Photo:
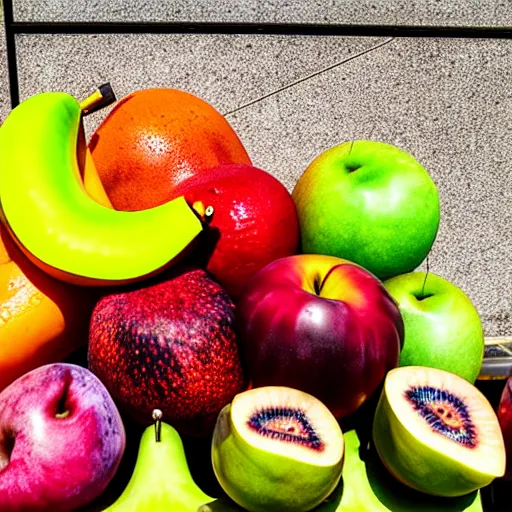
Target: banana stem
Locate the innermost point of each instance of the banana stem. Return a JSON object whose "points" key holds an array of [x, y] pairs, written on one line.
{"points": [[102, 97]]}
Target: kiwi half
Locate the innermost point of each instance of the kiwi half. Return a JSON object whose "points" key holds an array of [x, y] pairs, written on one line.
{"points": [[277, 449], [437, 433]]}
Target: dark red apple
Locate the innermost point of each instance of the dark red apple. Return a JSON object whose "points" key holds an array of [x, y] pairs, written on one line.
{"points": [[320, 324], [254, 221], [169, 346], [505, 418]]}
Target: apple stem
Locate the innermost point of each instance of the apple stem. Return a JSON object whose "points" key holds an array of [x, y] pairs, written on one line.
{"points": [[157, 418]]}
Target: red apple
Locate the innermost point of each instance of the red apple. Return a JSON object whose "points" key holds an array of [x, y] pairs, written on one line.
{"points": [[254, 221], [505, 418], [320, 324], [61, 439]]}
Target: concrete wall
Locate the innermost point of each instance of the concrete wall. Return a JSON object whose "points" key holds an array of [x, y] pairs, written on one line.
{"points": [[446, 100]]}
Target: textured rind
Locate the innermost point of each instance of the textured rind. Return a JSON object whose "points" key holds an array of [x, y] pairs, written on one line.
{"points": [[58, 464], [170, 346], [155, 139]]}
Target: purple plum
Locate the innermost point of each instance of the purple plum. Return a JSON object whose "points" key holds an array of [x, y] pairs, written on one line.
{"points": [[61, 439]]}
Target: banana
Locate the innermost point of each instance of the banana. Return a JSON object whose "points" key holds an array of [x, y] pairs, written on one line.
{"points": [[57, 224]]}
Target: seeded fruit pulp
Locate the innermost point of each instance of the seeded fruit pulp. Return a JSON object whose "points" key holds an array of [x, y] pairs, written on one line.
{"points": [[169, 346], [437, 433], [277, 449]]}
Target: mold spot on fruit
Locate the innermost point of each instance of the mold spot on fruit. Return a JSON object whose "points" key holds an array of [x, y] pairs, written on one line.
{"points": [[445, 413], [286, 424]]}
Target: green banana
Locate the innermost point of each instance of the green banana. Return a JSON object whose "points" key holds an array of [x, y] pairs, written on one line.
{"points": [[48, 212]]}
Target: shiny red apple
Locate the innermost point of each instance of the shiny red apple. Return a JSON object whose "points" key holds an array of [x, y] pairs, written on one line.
{"points": [[322, 325], [254, 221], [505, 419]]}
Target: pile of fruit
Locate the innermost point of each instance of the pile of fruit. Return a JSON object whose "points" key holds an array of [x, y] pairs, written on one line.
{"points": [[291, 330]]}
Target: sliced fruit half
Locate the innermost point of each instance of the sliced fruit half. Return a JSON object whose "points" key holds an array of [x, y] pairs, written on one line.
{"points": [[277, 449], [437, 433]]}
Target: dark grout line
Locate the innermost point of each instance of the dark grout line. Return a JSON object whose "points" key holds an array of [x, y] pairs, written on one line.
{"points": [[10, 41], [310, 76], [305, 29]]}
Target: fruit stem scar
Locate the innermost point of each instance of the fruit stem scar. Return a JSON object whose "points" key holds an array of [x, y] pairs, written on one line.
{"points": [[157, 418], [63, 407], [208, 213], [205, 214]]}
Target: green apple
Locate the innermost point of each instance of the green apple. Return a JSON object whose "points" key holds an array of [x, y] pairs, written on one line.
{"points": [[442, 327], [370, 203]]}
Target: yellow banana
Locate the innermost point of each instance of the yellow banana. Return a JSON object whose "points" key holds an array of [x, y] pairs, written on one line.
{"points": [[48, 212]]}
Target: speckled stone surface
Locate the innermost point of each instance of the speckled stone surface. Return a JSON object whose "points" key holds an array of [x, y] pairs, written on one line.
{"points": [[447, 101], [5, 102], [226, 71], [361, 12]]}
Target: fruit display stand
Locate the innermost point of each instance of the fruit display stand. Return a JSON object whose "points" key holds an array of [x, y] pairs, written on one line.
{"points": [[369, 125]]}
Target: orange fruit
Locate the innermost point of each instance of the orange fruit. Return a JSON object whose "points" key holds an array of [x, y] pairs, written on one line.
{"points": [[42, 320], [155, 139]]}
